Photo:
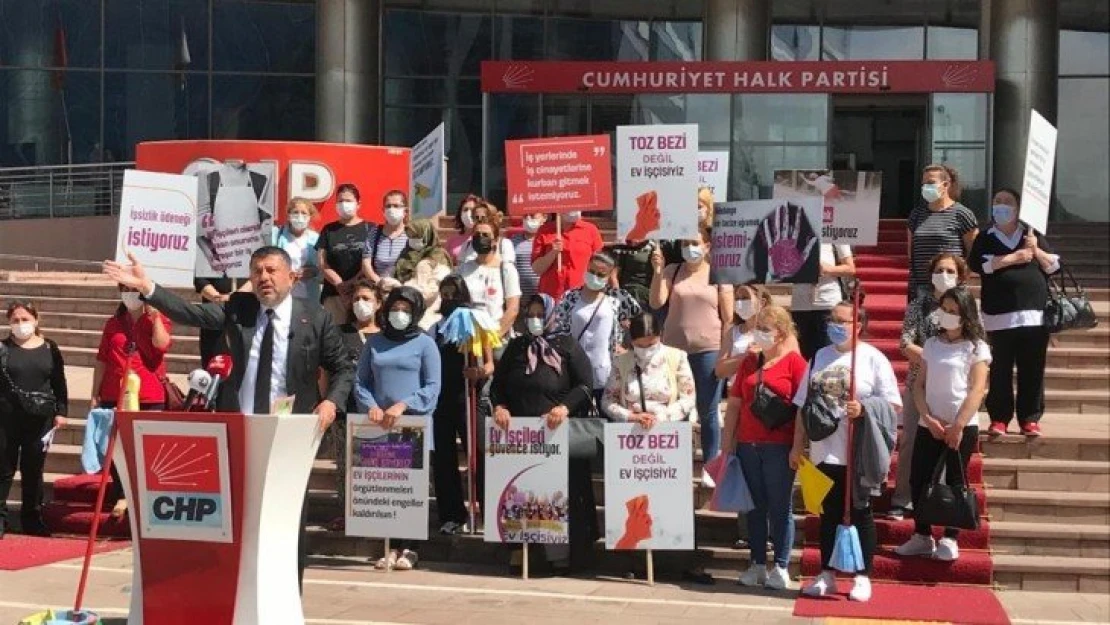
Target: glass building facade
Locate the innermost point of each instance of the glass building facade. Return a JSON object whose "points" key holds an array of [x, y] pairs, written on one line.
{"points": [[84, 80]]}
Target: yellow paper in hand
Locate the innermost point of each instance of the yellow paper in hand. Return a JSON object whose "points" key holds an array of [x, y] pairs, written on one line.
{"points": [[815, 486]]}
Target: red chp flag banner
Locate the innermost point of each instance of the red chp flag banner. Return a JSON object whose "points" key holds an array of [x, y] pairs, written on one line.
{"points": [[559, 175]]}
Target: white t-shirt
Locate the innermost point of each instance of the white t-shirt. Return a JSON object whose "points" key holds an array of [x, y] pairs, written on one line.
{"points": [[486, 288], [741, 341], [874, 378], [826, 293], [595, 330], [948, 366], [505, 249]]}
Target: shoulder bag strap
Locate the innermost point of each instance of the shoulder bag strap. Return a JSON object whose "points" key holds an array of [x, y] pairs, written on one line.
{"points": [[643, 391], [592, 317]]}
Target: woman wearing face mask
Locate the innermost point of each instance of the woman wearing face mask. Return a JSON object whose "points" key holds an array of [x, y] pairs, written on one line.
{"points": [[810, 303], [398, 374], [29, 364], [920, 324], [299, 241], [750, 299], [942, 224], [764, 452], [546, 374], [877, 399], [948, 392], [382, 251], [423, 265], [449, 421], [340, 250], [522, 246], [1013, 261], [492, 281], [698, 313], [135, 338], [464, 226], [484, 212], [580, 240], [667, 391], [672, 250], [595, 314]]}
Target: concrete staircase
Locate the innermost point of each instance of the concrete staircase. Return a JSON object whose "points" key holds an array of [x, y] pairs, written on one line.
{"points": [[1049, 500]]}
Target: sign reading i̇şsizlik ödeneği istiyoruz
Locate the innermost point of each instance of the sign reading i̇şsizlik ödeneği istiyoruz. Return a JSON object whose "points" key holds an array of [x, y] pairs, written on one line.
{"points": [[526, 498], [157, 224]]}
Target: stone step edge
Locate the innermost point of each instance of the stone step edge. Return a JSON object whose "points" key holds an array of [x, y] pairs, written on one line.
{"points": [[1060, 565]]}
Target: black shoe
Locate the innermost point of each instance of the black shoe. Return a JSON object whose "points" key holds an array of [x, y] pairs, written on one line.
{"points": [[698, 577], [36, 528]]}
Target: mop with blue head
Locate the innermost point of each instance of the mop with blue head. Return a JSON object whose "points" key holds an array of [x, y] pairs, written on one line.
{"points": [[847, 554]]}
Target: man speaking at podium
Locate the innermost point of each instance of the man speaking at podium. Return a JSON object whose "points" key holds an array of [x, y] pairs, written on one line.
{"points": [[278, 343]]}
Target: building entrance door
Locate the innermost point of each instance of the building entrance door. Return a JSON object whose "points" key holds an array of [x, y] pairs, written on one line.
{"points": [[884, 133]]}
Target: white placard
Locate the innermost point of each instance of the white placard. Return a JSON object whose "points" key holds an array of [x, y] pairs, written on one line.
{"points": [[851, 201], [657, 182], [429, 169], [649, 494], [1040, 162], [158, 224], [235, 215], [713, 173], [526, 498], [766, 241], [387, 480]]}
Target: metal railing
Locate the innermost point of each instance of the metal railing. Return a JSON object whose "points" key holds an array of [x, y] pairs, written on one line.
{"points": [[61, 190]]}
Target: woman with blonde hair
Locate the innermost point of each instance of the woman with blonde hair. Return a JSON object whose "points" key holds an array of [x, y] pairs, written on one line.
{"points": [[759, 426]]}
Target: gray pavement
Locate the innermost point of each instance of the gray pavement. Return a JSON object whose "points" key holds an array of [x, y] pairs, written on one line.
{"points": [[349, 592]]}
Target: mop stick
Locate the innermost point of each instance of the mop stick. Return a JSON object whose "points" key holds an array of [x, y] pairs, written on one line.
{"points": [[559, 234], [472, 448], [847, 555], [105, 471]]}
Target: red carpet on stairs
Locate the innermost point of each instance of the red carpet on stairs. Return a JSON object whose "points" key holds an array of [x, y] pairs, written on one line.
{"points": [[71, 511], [19, 552], [945, 604]]}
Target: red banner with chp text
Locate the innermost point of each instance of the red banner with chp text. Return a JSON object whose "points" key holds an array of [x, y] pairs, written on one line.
{"points": [[559, 175]]}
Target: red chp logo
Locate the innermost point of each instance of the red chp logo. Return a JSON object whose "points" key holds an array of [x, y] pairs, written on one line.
{"points": [[183, 481]]}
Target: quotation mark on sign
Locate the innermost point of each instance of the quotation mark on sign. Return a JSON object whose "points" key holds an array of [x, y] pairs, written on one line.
{"points": [[599, 150]]}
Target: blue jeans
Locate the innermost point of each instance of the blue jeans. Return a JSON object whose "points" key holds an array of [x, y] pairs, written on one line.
{"points": [[707, 387], [771, 481]]}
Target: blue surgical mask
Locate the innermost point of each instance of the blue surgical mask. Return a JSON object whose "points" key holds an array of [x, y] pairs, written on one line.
{"points": [[838, 334], [1002, 213], [930, 192]]}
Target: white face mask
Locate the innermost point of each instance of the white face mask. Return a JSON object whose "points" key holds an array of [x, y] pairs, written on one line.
{"points": [[131, 300], [532, 224], [746, 308], [298, 221], [765, 340], [416, 244], [346, 209], [535, 325], [467, 220], [943, 281], [930, 192], [400, 319], [645, 354], [394, 216], [947, 320], [23, 331], [692, 253], [572, 217], [595, 283], [363, 309]]}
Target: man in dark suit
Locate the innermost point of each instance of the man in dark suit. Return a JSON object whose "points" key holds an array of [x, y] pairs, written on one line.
{"points": [[278, 343]]}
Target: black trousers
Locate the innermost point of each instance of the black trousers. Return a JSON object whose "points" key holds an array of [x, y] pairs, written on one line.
{"points": [[21, 448], [926, 452], [448, 427], [812, 334], [1027, 349], [833, 515]]}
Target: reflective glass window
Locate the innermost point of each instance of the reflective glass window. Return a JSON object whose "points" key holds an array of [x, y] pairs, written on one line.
{"points": [[795, 43], [263, 107], [952, 43], [1082, 188], [960, 131], [598, 40], [422, 43], [517, 37], [148, 107], [47, 116], [156, 34], [50, 33], [1083, 53], [873, 42], [264, 36]]}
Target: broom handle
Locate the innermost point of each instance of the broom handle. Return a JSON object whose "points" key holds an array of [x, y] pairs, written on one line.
{"points": [[471, 448], [104, 473], [851, 426]]}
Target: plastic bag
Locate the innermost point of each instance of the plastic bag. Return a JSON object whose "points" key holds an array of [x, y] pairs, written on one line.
{"points": [[731, 493]]}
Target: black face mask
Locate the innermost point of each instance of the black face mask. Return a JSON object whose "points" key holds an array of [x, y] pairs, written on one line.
{"points": [[482, 243], [448, 306]]}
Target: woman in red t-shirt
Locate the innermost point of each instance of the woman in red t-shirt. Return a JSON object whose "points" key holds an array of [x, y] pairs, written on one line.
{"points": [[764, 452], [137, 337]]}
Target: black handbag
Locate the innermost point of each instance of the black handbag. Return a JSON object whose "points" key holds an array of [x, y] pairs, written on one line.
{"points": [[1064, 310], [948, 506], [819, 417], [772, 410]]}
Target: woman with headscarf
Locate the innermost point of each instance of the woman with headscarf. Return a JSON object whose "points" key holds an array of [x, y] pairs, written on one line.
{"points": [[548, 375], [423, 265], [398, 374]]}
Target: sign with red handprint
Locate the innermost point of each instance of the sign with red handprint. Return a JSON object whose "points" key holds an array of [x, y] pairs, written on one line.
{"points": [[850, 198], [767, 241], [657, 182]]}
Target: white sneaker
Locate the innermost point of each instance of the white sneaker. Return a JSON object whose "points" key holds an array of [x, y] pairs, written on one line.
{"points": [[756, 575], [778, 578], [861, 591], [822, 585], [917, 545], [947, 550], [706, 480]]}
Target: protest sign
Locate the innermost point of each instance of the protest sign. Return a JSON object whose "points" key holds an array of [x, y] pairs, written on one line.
{"points": [[851, 201], [713, 173], [526, 483], [429, 171], [766, 241], [559, 175], [235, 208], [649, 497], [1040, 162], [657, 182], [158, 224], [387, 480]]}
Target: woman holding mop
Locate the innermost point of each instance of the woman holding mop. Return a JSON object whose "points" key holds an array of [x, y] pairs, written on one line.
{"points": [[855, 382]]}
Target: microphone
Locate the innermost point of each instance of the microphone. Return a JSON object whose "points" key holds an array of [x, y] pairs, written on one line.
{"points": [[199, 381], [219, 367]]}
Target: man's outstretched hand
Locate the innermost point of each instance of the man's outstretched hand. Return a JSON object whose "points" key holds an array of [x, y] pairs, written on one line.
{"points": [[132, 275]]}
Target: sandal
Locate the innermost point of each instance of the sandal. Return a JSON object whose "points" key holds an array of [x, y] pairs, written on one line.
{"points": [[120, 509], [391, 563], [407, 561]]}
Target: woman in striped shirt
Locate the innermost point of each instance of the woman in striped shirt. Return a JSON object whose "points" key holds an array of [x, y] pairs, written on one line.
{"points": [[941, 225]]}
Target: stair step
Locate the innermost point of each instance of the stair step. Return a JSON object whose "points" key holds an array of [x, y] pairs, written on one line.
{"points": [[1052, 573], [1051, 506], [1050, 539], [1044, 475]]}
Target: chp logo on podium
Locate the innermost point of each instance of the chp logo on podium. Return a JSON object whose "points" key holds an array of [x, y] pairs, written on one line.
{"points": [[184, 485]]}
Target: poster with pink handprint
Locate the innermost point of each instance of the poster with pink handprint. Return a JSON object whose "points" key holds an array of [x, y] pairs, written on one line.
{"points": [[766, 241]]}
